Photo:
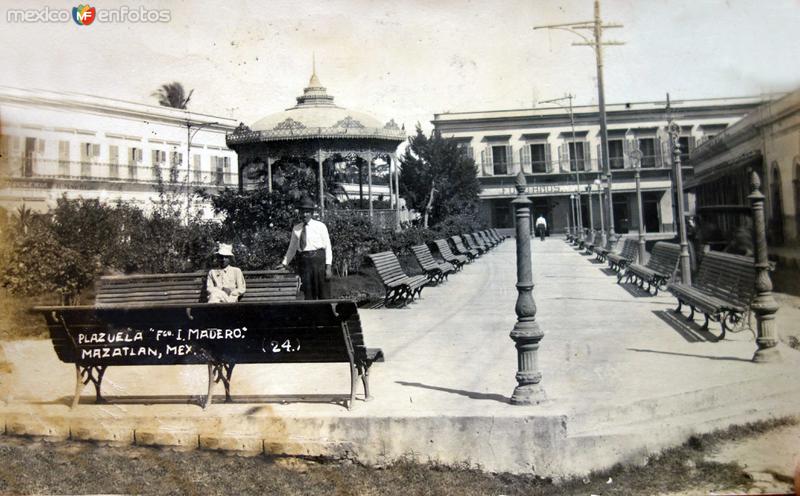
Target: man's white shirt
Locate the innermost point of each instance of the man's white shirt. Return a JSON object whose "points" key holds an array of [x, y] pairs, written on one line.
{"points": [[541, 222], [317, 238]]}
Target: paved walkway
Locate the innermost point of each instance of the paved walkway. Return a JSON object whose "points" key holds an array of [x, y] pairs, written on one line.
{"points": [[623, 377]]}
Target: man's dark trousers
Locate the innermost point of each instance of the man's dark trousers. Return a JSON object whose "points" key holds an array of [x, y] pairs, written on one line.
{"points": [[311, 265]]}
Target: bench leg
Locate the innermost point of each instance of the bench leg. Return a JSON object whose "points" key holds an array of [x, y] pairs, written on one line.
{"points": [[219, 372], [705, 324], [690, 317], [680, 306], [364, 371], [84, 375], [353, 383]]}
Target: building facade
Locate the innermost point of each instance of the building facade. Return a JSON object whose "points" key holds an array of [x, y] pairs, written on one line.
{"points": [[768, 141], [61, 144], [559, 159]]}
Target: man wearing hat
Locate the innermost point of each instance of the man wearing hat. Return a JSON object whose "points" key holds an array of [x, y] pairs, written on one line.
{"points": [[225, 284], [312, 245]]}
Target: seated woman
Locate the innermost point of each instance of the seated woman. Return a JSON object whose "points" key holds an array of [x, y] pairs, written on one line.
{"points": [[225, 284]]}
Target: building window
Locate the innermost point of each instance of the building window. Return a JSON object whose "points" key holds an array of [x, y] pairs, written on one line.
{"points": [[616, 154], [220, 168], [648, 148], [134, 159], [465, 148], [540, 158], [196, 166], [577, 155], [113, 162], [500, 161], [63, 158], [89, 152]]}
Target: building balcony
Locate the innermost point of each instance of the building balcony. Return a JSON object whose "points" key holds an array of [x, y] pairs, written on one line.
{"points": [[61, 173]]}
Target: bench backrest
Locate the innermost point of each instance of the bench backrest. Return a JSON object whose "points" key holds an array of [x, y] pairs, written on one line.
{"points": [[472, 241], [664, 258], [295, 332], [630, 248], [156, 289], [425, 257], [388, 267], [151, 289], [444, 249], [270, 285], [727, 276], [459, 245]]}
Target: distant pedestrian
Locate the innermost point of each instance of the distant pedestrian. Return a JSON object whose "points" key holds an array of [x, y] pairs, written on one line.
{"points": [[541, 227], [225, 283], [312, 245]]}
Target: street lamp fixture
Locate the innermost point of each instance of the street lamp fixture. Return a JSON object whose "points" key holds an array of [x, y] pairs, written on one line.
{"points": [[674, 131], [571, 219], [636, 161]]}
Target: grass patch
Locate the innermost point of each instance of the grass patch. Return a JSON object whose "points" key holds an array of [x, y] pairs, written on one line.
{"points": [[32, 466]]}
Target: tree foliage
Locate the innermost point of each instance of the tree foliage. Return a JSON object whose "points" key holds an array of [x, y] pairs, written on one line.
{"points": [[436, 166], [173, 95]]}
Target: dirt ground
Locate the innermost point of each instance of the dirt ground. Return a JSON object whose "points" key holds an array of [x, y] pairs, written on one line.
{"points": [[754, 459]]}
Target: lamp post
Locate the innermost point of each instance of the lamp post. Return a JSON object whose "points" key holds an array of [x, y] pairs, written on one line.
{"points": [[591, 210], [674, 131], [526, 333], [764, 304], [571, 214], [636, 160], [603, 238]]}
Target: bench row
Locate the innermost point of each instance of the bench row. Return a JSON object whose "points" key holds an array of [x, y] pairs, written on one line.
{"points": [[722, 290], [453, 254]]}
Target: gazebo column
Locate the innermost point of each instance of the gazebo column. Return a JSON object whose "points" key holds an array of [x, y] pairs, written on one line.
{"points": [[388, 159], [269, 172], [321, 182], [369, 157], [396, 178]]}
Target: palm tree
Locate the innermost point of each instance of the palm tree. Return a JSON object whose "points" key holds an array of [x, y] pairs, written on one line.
{"points": [[173, 95]]}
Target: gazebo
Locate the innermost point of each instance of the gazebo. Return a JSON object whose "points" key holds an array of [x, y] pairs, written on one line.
{"points": [[335, 139]]}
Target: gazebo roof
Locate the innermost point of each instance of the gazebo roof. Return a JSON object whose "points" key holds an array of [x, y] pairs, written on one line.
{"points": [[316, 116]]}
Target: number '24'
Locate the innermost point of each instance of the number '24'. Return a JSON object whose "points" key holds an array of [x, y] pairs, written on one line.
{"points": [[286, 346]]}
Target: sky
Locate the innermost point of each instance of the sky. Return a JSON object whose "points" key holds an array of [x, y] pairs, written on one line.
{"points": [[408, 59]]}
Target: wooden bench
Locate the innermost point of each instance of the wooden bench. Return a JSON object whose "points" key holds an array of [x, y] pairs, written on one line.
{"points": [[436, 271], [618, 261], [601, 252], [489, 234], [472, 242], [447, 254], [722, 290], [596, 240], [219, 335], [498, 235], [262, 285], [471, 253], [396, 282], [659, 269]]}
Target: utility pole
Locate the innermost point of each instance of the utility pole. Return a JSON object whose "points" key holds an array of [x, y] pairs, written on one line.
{"points": [[595, 40]]}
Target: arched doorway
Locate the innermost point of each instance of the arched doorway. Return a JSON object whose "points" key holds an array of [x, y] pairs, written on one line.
{"points": [[776, 219]]}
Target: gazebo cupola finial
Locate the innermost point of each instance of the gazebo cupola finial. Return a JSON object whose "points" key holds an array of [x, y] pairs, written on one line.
{"points": [[314, 95]]}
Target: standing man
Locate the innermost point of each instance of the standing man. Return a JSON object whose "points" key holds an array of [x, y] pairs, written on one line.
{"points": [[312, 244], [541, 226]]}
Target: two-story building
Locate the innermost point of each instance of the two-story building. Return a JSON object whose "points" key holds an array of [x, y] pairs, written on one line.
{"points": [[54, 144], [559, 159]]}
